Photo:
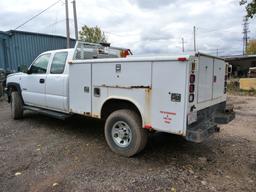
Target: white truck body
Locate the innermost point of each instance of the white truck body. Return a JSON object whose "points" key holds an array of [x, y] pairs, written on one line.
{"points": [[147, 82], [168, 92]]}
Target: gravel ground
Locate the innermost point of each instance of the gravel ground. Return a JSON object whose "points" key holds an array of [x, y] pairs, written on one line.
{"points": [[39, 153]]}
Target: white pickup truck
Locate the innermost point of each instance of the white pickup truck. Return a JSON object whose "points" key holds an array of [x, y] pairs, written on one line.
{"points": [[182, 95]]}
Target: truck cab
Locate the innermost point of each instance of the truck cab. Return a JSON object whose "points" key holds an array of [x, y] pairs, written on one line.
{"points": [[45, 84]]}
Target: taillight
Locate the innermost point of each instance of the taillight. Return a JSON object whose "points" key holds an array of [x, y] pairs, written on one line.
{"points": [[191, 88], [192, 78], [226, 79]]}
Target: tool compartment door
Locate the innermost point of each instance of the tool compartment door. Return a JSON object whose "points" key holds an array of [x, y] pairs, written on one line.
{"points": [[218, 78], [80, 88], [168, 96], [205, 80]]}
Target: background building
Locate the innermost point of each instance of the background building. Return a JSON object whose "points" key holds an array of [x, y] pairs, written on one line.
{"points": [[241, 64], [19, 48]]}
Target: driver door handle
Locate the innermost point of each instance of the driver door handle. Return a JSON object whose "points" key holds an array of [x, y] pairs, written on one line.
{"points": [[41, 81]]}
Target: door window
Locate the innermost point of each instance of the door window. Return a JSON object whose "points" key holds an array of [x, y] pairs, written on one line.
{"points": [[40, 64], [58, 63]]}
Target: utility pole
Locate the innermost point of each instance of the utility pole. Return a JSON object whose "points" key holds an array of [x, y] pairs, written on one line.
{"points": [[217, 52], [75, 19], [194, 34], [67, 25], [245, 32], [183, 44]]}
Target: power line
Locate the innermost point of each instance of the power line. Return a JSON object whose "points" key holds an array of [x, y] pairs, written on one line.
{"points": [[37, 15]]}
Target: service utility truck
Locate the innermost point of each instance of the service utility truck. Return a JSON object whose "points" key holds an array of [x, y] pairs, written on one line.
{"points": [[134, 95]]}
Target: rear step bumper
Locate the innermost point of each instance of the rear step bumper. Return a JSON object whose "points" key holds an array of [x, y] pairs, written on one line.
{"points": [[224, 118], [201, 131], [208, 119]]}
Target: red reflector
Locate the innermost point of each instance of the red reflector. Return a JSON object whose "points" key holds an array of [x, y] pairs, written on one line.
{"points": [[182, 59], [192, 78], [148, 127], [191, 88]]}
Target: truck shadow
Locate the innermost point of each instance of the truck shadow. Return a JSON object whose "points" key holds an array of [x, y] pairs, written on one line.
{"points": [[161, 147]]}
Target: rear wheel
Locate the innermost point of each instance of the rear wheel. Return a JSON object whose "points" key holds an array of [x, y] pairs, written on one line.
{"points": [[16, 105], [124, 133]]}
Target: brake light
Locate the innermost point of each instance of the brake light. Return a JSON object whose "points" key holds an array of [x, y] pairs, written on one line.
{"points": [[226, 79], [192, 78], [191, 88], [182, 59]]}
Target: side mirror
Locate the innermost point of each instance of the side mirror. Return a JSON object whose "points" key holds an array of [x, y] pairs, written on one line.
{"points": [[29, 71]]}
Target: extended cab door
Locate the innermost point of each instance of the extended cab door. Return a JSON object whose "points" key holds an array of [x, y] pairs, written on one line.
{"points": [[57, 83], [33, 85]]}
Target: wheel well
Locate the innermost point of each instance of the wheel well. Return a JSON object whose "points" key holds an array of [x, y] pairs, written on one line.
{"points": [[13, 87], [117, 104]]}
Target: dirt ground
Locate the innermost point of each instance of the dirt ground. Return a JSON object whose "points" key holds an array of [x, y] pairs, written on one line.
{"points": [[39, 153]]}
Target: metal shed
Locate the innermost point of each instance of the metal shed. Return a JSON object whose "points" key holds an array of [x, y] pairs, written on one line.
{"points": [[21, 48]]}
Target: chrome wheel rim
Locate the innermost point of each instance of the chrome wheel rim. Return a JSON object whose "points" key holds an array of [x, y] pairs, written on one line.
{"points": [[121, 134]]}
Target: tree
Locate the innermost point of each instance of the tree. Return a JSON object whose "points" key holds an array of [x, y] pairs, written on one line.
{"points": [[250, 7], [251, 48], [92, 34]]}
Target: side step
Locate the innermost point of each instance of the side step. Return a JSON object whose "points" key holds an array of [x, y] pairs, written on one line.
{"points": [[57, 115]]}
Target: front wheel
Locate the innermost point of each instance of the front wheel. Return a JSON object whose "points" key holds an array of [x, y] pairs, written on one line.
{"points": [[16, 105], [124, 133]]}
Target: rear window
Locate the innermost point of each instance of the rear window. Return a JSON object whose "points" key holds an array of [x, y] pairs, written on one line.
{"points": [[58, 63]]}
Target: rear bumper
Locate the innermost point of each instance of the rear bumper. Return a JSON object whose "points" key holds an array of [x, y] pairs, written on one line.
{"points": [[207, 122], [224, 118], [201, 131]]}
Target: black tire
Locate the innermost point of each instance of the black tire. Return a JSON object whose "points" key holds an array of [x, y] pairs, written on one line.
{"points": [[16, 105], [139, 135]]}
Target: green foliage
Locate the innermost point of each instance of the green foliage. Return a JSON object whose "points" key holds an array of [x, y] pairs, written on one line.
{"points": [[250, 7], [92, 35], [251, 49]]}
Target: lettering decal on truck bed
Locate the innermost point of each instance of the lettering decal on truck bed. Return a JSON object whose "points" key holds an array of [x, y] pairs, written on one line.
{"points": [[166, 117]]}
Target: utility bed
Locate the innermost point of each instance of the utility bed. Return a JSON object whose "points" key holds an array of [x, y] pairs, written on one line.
{"points": [[169, 92]]}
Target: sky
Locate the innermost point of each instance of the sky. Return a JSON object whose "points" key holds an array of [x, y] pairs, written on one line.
{"points": [[144, 26]]}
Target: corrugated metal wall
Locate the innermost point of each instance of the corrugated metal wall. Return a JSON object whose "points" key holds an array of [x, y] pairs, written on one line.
{"points": [[21, 48]]}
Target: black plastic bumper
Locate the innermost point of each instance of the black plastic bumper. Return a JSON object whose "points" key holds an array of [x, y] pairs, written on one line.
{"points": [[207, 120], [201, 131], [224, 118]]}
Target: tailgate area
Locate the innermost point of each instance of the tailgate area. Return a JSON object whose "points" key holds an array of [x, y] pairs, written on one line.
{"points": [[211, 78]]}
